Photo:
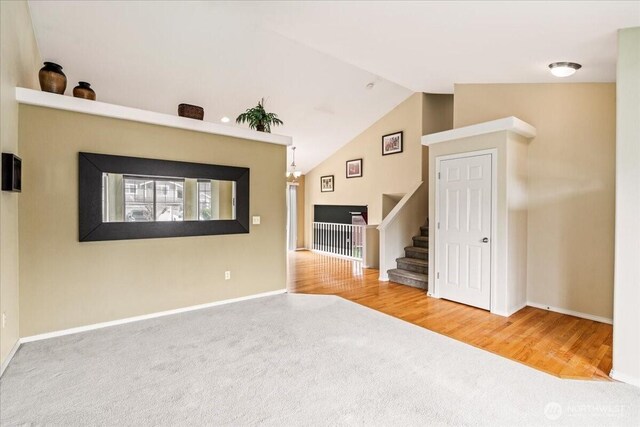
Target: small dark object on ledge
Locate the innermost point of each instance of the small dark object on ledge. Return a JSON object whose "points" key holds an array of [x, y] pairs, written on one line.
{"points": [[52, 79], [191, 111], [83, 90]]}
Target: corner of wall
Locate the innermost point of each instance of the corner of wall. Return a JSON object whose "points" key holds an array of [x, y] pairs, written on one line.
{"points": [[626, 317], [19, 63]]}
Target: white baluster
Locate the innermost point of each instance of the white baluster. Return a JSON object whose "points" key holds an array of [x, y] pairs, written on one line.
{"points": [[333, 235]]}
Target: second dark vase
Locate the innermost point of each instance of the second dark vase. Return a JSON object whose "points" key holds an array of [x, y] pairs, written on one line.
{"points": [[52, 79], [83, 90]]}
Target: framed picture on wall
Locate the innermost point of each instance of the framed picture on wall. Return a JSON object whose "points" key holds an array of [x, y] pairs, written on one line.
{"points": [[354, 168], [326, 184], [392, 143]]}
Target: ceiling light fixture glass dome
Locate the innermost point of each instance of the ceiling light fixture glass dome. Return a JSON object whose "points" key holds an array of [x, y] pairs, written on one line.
{"points": [[564, 69]]}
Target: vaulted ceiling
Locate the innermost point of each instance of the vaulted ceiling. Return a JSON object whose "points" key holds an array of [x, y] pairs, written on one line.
{"points": [[312, 61]]}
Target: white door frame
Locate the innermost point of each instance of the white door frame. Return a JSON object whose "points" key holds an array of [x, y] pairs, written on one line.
{"points": [[494, 210]]}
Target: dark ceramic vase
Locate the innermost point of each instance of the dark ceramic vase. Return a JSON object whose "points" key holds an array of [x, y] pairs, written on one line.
{"points": [[260, 128], [52, 79], [83, 90]]}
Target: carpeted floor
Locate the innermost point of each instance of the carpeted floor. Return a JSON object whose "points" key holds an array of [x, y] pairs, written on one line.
{"points": [[291, 360]]}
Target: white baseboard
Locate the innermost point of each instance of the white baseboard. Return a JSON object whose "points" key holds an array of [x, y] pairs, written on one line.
{"points": [[624, 378], [9, 357], [510, 311], [571, 313], [145, 317]]}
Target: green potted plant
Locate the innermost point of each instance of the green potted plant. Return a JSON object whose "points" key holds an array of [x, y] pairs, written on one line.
{"points": [[259, 119]]}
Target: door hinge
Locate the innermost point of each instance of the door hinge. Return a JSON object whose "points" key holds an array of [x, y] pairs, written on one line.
{"points": [[438, 226], [438, 175], [437, 275]]}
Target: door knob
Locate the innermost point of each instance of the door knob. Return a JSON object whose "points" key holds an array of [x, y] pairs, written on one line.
{"points": [[485, 240]]}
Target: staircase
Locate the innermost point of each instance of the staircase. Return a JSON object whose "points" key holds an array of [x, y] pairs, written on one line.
{"points": [[413, 267]]}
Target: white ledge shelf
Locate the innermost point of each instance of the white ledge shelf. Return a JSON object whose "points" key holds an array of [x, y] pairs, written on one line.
{"points": [[96, 108], [512, 124]]}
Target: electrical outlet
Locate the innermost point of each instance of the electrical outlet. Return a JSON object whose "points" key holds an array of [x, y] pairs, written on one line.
{"points": [[4, 320], [256, 220], [227, 275]]}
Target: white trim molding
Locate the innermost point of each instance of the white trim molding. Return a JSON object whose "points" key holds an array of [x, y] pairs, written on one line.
{"points": [[96, 108], [511, 311], [12, 353], [571, 312], [618, 376], [146, 316], [512, 124]]}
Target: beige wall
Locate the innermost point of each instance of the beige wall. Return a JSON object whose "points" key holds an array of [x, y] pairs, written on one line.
{"points": [[19, 64], [437, 116], [626, 333], [65, 283], [571, 185], [391, 175]]}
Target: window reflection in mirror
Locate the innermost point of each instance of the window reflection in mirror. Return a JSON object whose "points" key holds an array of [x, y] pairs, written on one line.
{"points": [[130, 198]]}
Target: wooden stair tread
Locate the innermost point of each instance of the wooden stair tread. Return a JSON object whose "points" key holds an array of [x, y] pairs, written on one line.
{"points": [[416, 249]]}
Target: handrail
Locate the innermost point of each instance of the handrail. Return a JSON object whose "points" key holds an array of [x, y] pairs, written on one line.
{"points": [[397, 208]]}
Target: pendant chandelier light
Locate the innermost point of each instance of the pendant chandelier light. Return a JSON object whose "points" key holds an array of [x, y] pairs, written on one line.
{"points": [[293, 174]]}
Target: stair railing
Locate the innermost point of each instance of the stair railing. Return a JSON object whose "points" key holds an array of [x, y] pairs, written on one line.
{"points": [[400, 225]]}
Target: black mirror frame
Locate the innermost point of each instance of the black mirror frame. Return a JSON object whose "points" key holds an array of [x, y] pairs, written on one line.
{"points": [[91, 227]]}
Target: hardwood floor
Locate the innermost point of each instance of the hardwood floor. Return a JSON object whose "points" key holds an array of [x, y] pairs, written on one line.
{"points": [[562, 345]]}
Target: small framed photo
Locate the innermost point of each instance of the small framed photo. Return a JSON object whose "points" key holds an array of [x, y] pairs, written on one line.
{"points": [[326, 184], [354, 168], [392, 143]]}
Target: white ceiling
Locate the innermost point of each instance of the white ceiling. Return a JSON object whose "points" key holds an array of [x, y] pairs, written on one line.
{"points": [[429, 46], [312, 60]]}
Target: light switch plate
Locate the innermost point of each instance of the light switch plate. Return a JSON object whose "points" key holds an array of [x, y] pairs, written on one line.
{"points": [[256, 220]]}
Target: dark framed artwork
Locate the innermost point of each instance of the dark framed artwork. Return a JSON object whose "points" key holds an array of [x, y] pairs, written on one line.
{"points": [[354, 168], [392, 143], [326, 184], [124, 198]]}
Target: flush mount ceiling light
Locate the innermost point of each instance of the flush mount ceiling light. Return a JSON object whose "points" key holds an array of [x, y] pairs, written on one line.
{"points": [[370, 85], [225, 119], [564, 69]]}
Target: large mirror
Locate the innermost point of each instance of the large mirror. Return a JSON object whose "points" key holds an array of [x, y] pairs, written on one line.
{"points": [[136, 198]]}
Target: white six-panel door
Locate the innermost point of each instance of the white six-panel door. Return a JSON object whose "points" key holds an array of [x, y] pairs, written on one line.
{"points": [[464, 230]]}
